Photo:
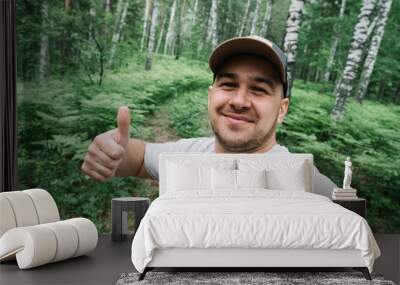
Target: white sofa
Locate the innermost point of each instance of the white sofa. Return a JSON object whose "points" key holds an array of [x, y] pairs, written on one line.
{"points": [[31, 231]]}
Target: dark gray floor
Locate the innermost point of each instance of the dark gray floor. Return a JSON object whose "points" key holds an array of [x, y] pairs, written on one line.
{"points": [[102, 266], [111, 259]]}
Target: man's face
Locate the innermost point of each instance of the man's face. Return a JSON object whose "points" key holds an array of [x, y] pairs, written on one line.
{"points": [[245, 102]]}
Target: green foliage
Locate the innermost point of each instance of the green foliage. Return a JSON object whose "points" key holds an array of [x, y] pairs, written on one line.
{"points": [[57, 122], [368, 134]]}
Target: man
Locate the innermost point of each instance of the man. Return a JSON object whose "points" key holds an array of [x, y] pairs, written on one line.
{"points": [[247, 99]]}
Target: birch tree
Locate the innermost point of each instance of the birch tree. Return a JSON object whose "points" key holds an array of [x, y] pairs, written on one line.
{"points": [[161, 35], [212, 36], [190, 19], [346, 81], [177, 44], [335, 42], [145, 21], [255, 18], [152, 35], [384, 9], [44, 43], [291, 38], [244, 20], [170, 31], [122, 8], [267, 18], [108, 6]]}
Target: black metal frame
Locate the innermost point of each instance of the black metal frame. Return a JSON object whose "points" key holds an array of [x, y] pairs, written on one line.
{"points": [[364, 270], [8, 101]]}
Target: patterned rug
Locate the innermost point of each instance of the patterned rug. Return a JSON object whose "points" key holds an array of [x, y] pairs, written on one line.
{"points": [[269, 278]]}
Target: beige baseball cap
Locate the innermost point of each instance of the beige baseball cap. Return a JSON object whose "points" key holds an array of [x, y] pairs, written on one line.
{"points": [[251, 45]]}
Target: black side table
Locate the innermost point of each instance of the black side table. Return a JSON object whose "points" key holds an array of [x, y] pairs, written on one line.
{"points": [[357, 205], [119, 211]]}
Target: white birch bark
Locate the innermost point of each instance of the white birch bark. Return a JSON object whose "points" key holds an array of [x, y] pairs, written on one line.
{"points": [[108, 6], [189, 19], [122, 8], [145, 21], [335, 42], [253, 29], [266, 19], [161, 35], [152, 35], [44, 44], [244, 20], [212, 36], [368, 68], [291, 38], [123, 20], [346, 81], [170, 31]]}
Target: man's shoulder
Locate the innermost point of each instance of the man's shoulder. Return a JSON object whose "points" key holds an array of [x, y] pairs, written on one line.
{"points": [[201, 144]]}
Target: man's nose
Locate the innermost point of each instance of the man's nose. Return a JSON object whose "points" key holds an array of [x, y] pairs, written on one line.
{"points": [[241, 99]]}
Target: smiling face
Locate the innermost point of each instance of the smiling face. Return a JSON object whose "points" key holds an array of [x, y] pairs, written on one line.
{"points": [[245, 103]]}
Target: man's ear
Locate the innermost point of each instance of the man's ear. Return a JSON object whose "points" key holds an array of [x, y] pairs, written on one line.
{"points": [[283, 108], [209, 95]]}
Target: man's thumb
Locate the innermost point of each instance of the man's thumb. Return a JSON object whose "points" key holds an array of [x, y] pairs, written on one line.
{"points": [[124, 120]]}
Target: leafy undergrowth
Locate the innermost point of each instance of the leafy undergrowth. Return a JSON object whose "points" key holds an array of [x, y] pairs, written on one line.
{"points": [[58, 121]]}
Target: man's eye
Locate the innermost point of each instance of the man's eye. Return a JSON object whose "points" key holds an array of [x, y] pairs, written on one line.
{"points": [[259, 90], [228, 84]]}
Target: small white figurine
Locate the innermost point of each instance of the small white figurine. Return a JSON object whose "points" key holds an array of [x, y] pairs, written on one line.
{"points": [[347, 174]]}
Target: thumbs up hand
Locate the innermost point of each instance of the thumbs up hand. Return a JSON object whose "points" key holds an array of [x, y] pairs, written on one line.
{"points": [[122, 132], [107, 151]]}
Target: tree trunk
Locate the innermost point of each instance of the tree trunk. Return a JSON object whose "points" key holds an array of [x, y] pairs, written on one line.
{"points": [[381, 89], [152, 35], [335, 41], [108, 6], [44, 44], [170, 31], [161, 35], [253, 29], [397, 94], [346, 82], [266, 19], [122, 8], [145, 21], [244, 20], [227, 22], [290, 42], [383, 12], [64, 49], [177, 47], [212, 36], [67, 5]]}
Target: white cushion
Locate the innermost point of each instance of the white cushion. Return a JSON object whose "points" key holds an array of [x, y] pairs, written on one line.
{"points": [[7, 218], [23, 208], [283, 173], [181, 177], [45, 205], [223, 179], [251, 178], [293, 180]]}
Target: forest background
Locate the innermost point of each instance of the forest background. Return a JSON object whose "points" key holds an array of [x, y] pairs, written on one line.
{"points": [[79, 60]]}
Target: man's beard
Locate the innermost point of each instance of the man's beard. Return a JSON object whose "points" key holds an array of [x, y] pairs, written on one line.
{"points": [[244, 146]]}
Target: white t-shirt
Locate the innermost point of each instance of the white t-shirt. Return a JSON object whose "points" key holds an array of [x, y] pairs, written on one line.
{"points": [[322, 184]]}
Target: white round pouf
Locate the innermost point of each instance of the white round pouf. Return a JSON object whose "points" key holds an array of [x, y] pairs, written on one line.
{"points": [[67, 239], [87, 234], [7, 218], [33, 246], [23, 207], [45, 205]]}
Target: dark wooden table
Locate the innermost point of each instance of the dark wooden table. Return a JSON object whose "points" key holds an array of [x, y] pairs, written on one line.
{"points": [[110, 259]]}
